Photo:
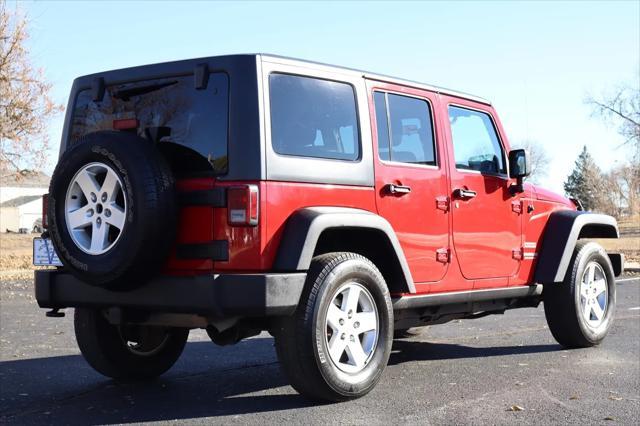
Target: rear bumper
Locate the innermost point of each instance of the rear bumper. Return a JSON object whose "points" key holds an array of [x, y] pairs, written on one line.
{"points": [[220, 296]]}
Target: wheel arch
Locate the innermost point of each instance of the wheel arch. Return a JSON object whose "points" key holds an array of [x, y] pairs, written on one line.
{"points": [[312, 231], [561, 234]]}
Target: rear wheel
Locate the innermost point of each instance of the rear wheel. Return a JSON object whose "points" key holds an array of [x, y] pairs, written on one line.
{"points": [[337, 344], [132, 352], [580, 310]]}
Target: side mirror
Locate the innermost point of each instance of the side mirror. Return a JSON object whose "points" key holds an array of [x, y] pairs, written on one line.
{"points": [[519, 168]]}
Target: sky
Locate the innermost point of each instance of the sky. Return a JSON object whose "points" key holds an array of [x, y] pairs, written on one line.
{"points": [[536, 61]]}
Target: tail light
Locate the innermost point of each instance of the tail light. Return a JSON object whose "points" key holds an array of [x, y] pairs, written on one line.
{"points": [[45, 207], [242, 205]]}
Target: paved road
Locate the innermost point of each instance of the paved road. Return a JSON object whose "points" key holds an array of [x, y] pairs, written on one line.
{"points": [[464, 372]]}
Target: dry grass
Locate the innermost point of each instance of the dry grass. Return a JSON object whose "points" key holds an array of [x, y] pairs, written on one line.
{"points": [[16, 250], [629, 241]]}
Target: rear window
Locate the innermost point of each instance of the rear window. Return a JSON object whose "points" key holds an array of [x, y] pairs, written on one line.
{"points": [[313, 118], [187, 123]]}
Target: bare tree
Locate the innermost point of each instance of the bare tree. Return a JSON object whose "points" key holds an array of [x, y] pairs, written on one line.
{"points": [[25, 101], [621, 108], [625, 187], [538, 158]]}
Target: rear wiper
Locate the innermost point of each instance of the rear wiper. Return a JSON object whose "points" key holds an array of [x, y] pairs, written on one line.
{"points": [[125, 94]]}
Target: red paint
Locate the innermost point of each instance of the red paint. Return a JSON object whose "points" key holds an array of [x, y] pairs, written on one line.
{"points": [[195, 225]]}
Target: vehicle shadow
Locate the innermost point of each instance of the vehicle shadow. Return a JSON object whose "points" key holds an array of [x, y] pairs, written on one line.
{"points": [[208, 381], [414, 350]]}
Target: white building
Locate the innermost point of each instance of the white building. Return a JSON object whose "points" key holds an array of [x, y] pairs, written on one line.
{"points": [[21, 201]]}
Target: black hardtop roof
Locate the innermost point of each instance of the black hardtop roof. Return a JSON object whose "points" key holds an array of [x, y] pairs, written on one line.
{"points": [[186, 63]]}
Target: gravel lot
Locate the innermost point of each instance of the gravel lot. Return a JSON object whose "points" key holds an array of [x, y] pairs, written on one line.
{"points": [[463, 372]]}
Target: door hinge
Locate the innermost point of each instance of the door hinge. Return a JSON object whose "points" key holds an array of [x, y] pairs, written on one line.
{"points": [[443, 255], [442, 203], [516, 253], [516, 206]]}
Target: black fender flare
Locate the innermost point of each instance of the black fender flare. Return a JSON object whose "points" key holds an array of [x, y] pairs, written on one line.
{"points": [[304, 227], [561, 234]]}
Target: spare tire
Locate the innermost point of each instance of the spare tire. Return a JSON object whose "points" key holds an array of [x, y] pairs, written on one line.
{"points": [[112, 211]]}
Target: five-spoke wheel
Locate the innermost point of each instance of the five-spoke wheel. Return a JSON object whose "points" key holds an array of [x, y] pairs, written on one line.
{"points": [[352, 327], [593, 294], [95, 206]]}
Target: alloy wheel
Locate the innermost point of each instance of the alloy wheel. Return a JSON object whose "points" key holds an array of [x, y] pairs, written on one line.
{"points": [[594, 294], [95, 208], [351, 326]]}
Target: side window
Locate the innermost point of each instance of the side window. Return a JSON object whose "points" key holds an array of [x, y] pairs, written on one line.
{"points": [[313, 118], [475, 141], [405, 131]]}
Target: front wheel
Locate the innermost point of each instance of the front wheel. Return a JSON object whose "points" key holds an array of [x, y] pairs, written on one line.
{"points": [[337, 344], [580, 310], [130, 352]]}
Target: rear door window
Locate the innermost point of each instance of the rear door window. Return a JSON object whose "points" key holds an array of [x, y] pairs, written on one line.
{"points": [[311, 117], [405, 129]]}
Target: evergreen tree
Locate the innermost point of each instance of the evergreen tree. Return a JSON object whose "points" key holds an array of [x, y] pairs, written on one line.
{"points": [[585, 182]]}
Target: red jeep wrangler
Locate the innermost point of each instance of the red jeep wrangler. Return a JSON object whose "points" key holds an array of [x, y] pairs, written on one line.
{"points": [[325, 205]]}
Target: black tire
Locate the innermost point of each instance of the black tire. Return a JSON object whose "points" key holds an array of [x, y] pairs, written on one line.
{"points": [[104, 346], [407, 333], [151, 214], [301, 340], [563, 304]]}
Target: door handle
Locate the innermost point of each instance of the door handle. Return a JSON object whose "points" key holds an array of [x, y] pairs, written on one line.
{"points": [[464, 193], [397, 189]]}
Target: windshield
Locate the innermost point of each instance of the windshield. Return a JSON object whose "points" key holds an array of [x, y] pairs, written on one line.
{"points": [[185, 121]]}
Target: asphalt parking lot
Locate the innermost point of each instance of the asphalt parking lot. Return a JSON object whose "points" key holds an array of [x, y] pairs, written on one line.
{"points": [[464, 372]]}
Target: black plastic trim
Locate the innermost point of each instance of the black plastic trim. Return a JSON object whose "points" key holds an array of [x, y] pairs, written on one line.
{"points": [[437, 299], [213, 250], [201, 76], [97, 89], [219, 296], [304, 227], [617, 262], [216, 197], [560, 236]]}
